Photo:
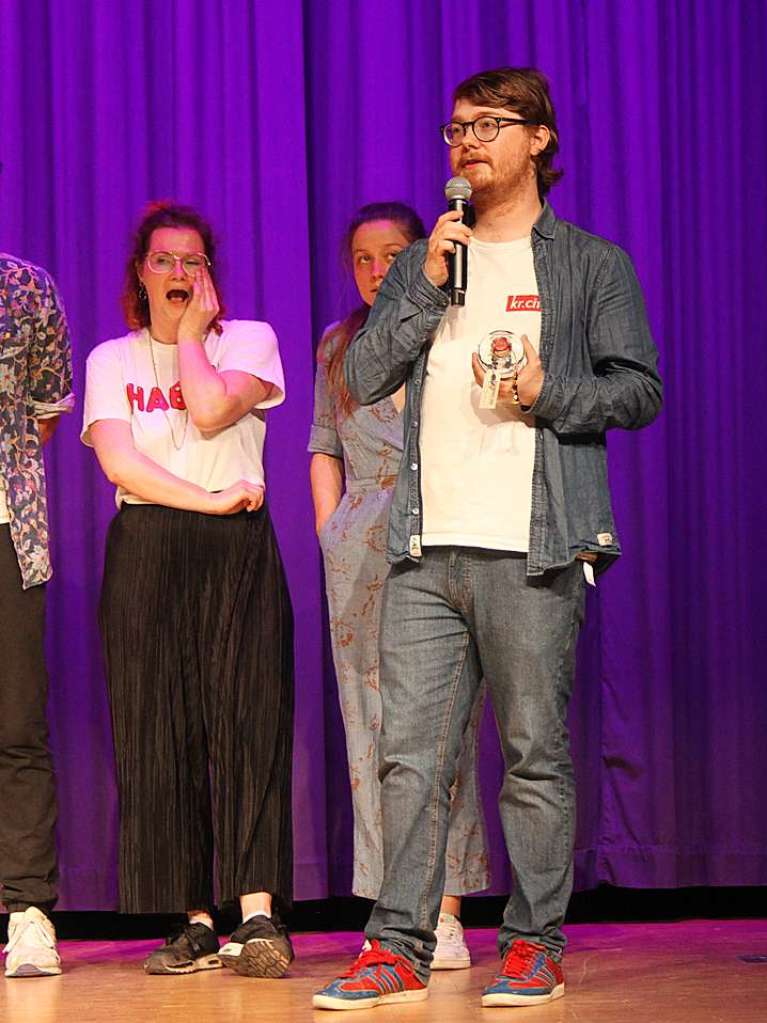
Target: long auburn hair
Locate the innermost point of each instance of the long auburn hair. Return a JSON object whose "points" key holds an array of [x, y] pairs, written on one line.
{"points": [[164, 213], [335, 342]]}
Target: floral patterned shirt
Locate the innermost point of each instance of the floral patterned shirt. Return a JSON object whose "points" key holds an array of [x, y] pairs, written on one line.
{"points": [[35, 383]]}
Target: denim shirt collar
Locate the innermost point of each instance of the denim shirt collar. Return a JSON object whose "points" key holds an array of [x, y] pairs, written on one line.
{"points": [[545, 225]]}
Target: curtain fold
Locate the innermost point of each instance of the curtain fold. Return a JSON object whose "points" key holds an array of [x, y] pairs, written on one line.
{"points": [[277, 121]]}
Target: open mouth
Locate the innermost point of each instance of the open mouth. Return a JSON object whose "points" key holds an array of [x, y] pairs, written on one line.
{"points": [[177, 296]]}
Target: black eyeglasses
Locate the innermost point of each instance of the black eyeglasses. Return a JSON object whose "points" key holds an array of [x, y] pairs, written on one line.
{"points": [[485, 128]]}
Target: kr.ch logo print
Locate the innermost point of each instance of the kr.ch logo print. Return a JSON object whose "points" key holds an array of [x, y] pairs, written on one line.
{"points": [[523, 304]]}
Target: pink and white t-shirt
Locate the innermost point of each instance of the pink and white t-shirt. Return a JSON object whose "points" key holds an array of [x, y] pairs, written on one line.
{"points": [[136, 379]]}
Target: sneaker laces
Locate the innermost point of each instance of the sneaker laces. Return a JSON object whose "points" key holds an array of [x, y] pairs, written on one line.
{"points": [[185, 931], [40, 932], [374, 956], [450, 926], [520, 958]]}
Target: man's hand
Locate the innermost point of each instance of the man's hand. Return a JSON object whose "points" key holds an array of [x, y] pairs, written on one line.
{"points": [[529, 379], [47, 427], [447, 231]]}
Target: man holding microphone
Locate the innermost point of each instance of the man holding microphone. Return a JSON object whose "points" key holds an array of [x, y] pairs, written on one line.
{"points": [[501, 514]]}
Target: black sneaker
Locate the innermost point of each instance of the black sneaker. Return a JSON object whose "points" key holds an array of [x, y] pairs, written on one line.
{"points": [[193, 948], [260, 947]]}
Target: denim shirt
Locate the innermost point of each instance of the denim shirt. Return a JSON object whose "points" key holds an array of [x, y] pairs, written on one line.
{"points": [[600, 371], [35, 383]]}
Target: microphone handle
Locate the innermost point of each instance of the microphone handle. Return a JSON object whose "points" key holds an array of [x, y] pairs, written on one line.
{"points": [[458, 261]]}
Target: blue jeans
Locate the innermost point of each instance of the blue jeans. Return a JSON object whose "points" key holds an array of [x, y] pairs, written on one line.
{"points": [[458, 615]]}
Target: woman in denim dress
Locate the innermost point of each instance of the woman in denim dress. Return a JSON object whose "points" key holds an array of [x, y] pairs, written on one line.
{"points": [[356, 453]]}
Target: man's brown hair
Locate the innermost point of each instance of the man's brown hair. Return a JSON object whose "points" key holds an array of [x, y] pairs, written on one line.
{"points": [[525, 90]]}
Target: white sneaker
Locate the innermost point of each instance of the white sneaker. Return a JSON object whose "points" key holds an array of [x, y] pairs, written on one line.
{"points": [[31, 949], [451, 952]]}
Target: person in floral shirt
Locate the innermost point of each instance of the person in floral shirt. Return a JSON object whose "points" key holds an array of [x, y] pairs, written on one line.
{"points": [[35, 388]]}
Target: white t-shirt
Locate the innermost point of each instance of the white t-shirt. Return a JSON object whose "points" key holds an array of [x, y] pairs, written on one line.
{"points": [[136, 379], [477, 464]]}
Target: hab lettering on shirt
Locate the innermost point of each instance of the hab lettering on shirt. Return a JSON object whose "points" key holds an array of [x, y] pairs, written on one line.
{"points": [[154, 398], [523, 304]]}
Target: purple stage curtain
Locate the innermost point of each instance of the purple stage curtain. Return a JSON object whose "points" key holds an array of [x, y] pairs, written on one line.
{"points": [[278, 121]]}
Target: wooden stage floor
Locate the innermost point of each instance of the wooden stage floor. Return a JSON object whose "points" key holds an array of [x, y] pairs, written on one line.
{"points": [[615, 973]]}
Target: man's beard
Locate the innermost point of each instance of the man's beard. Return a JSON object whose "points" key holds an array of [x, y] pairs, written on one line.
{"points": [[496, 192]]}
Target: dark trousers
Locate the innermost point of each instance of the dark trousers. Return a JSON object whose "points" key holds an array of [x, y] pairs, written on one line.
{"points": [[198, 641], [27, 795]]}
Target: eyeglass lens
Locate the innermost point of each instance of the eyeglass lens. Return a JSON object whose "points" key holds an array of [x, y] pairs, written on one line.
{"points": [[165, 262]]}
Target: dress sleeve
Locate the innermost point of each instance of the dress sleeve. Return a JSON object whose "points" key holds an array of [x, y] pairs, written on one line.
{"points": [[105, 392], [323, 437], [251, 347]]}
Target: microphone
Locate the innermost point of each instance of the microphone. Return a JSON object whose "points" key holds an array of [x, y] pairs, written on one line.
{"points": [[458, 193]]}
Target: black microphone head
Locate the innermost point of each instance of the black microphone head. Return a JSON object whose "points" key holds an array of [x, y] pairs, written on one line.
{"points": [[458, 188]]}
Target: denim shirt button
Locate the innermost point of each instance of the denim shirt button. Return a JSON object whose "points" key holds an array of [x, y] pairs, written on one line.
{"points": [[414, 466], [415, 511]]}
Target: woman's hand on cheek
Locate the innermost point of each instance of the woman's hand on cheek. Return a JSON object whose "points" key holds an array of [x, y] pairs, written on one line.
{"points": [[201, 310]]}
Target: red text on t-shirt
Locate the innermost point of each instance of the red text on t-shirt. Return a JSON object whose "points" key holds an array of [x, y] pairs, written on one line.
{"points": [[156, 399]]}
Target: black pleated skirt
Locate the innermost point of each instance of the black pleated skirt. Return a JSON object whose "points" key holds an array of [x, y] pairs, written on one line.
{"points": [[197, 631]]}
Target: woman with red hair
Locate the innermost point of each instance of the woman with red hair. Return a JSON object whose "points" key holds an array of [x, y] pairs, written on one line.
{"points": [[195, 615]]}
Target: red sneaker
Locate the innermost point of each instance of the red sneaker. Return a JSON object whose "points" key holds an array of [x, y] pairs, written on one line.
{"points": [[530, 976], [376, 976]]}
